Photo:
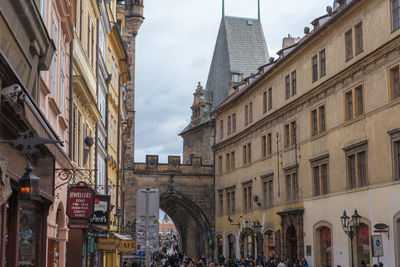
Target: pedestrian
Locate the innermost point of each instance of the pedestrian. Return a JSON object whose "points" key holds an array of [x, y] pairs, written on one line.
{"points": [[281, 264], [363, 264]]}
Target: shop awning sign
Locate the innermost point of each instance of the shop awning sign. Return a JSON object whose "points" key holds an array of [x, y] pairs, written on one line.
{"points": [[101, 210], [118, 245], [80, 201]]}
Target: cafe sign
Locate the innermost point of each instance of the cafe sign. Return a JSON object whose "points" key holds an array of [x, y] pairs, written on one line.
{"points": [[80, 201], [118, 245], [101, 210], [126, 246]]}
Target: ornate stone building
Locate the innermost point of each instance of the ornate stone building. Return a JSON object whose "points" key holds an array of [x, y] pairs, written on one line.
{"points": [[317, 132]]}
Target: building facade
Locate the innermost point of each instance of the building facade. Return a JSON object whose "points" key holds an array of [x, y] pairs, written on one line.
{"points": [[31, 146], [316, 135]]}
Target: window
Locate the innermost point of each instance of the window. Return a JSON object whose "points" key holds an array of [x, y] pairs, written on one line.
{"points": [[264, 145], [268, 191], [221, 129], [315, 68], [396, 151], [356, 165], [287, 135], [100, 175], [320, 179], [233, 203], [354, 103], [394, 83], [232, 160], [318, 120], [246, 115], [294, 85], [221, 204], [395, 14], [322, 63], [229, 126], [54, 63], [287, 86], [265, 106], [102, 42], [269, 98], [247, 198], [233, 122], [359, 38], [292, 190], [349, 44], [74, 135], [220, 164], [62, 77], [266, 142], [236, 78], [43, 7], [92, 47], [250, 112], [79, 137], [228, 162], [230, 199], [269, 144], [109, 59], [247, 154], [294, 137], [88, 37], [80, 19]]}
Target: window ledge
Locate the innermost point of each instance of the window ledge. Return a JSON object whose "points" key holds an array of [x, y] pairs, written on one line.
{"points": [[353, 120], [319, 135], [63, 121], [54, 106]]}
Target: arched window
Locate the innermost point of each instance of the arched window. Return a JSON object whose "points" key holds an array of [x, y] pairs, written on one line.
{"points": [[325, 246], [361, 244], [269, 243], [231, 246], [220, 247]]}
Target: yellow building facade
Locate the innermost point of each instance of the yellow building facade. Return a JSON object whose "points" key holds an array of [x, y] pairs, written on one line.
{"points": [[316, 132], [84, 116]]}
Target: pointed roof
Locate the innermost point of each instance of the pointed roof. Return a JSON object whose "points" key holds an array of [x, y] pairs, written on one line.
{"points": [[241, 49]]}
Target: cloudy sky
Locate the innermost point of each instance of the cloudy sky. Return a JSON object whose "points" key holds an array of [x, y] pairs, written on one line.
{"points": [[174, 50]]}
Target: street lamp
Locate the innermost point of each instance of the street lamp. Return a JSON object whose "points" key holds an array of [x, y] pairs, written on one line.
{"points": [[29, 185], [350, 228]]}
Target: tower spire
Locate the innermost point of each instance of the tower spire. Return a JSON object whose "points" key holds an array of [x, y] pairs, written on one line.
{"points": [[258, 10], [223, 8]]}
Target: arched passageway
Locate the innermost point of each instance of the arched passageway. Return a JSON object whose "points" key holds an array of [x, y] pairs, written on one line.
{"points": [[191, 223]]}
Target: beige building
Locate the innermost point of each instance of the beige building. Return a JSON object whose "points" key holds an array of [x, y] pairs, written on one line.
{"points": [[317, 132]]}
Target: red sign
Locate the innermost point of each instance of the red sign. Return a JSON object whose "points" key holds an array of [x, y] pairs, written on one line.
{"points": [[80, 201], [78, 226]]}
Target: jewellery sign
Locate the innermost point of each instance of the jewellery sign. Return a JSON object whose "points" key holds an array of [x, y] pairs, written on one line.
{"points": [[101, 210], [80, 201]]}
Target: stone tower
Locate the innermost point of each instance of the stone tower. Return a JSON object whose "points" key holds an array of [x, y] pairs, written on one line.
{"points": [[130, 16]]}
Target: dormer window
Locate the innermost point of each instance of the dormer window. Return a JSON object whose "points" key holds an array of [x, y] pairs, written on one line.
{"points": [[236, 77]]}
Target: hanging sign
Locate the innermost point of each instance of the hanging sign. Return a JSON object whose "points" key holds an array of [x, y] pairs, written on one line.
{"points": [[107, 244], [80, 201], [101, 210]]}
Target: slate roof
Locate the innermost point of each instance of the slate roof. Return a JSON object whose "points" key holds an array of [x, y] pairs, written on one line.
{"points": [[240, 48]]}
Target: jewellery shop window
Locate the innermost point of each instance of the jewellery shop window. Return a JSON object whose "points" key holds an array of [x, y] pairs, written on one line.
{"points": [[29, 234]]}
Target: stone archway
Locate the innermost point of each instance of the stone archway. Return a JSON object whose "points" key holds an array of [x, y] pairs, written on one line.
{"points": [[191, 223]]}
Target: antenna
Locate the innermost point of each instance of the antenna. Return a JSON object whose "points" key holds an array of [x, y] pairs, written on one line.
{"points": [[258, 10], [223, 8]]}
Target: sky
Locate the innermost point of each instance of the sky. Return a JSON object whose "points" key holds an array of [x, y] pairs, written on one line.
{"points": [[173, 53]]}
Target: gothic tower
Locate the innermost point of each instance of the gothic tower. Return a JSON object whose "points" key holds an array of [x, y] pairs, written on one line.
{"points": [[130, 17]]}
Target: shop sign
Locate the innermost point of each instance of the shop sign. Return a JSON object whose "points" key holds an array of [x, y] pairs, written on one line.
{"points": [[98, 234], [107, 244], [80, 201], [126, 246], [101, 210], [78, 226]]}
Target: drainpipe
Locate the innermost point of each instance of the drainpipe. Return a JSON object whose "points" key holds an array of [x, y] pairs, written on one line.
{"points": [[118, 143], [71, 93], [96, 148]]}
